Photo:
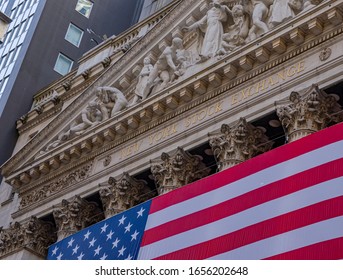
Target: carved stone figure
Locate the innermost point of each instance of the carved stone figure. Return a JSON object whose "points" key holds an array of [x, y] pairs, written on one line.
{"points": [[113, 99], [177, 170], [35, 235], [307, 111], [238, 143], [122, 194], [74, 215], [259, 17], [282, 11], [164, 69], [143, 78], [238, 32], [211, 25]]}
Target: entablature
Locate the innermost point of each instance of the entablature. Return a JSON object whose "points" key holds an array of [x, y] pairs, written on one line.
{"points": [[213, 79]]}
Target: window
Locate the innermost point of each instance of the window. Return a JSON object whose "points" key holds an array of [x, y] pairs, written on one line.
{"points": [[84, 7], [74, 35], [63, 64]]}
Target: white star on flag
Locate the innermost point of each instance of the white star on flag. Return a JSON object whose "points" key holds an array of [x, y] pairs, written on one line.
{"points": [[97, 250], [104, 257], [81, 256], [70, 243], [60, 256], [122, 220], [140, 212], [115, 243], [75, 249], [134, 236], [128, 227], [87, 235], [54, 252], [104, 228], [91, 243], [109, 236], [121, 251]]}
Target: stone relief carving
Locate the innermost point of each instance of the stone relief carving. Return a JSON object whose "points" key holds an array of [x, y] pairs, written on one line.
{"points": [[45, 191], [73, 215], [238, 143], [123, 193], [169, 66], [176, 170], [109, 102], [35, 235], [143, 79], [210, 29], [307, 111], [229, 24]]}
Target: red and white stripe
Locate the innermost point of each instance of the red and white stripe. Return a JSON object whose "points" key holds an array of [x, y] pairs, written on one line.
{"points": [[284, 204]]}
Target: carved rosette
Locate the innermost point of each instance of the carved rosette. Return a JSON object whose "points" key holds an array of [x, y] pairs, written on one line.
{"points": [[123, 193], [238, 143], [176, 170], [307, 111], [76, 214], [35, 236]]}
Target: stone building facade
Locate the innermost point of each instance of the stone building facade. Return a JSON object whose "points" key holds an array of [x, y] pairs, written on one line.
{"points": [[193, 90]]}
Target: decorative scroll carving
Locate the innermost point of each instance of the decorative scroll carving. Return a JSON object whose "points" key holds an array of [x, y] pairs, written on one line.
{"points": [[307, 111], [73, 215], [122, 194], [238, 143], [45, 191], [35, 235], [176, 170]]}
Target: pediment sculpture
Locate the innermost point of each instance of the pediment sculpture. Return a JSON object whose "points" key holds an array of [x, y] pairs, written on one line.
{"points": [[109, 102], [229, 24]]}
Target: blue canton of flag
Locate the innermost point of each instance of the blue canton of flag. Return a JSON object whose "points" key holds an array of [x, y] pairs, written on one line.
{"points": [[116, 238]]}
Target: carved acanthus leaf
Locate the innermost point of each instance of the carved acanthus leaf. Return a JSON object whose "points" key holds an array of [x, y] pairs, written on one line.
{"points": [[123, 193], [307, 111], [176, 170], [238, 143], [73, 215], [35, 235]]}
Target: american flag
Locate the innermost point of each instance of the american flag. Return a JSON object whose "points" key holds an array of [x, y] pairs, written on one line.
{"points": [[284, 204]]}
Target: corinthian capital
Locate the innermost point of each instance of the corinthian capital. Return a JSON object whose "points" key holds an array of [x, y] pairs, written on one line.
{"points": [[123, 193], [307, 111], [34, 235], [73, 215], [238, 143], [178, 169]]}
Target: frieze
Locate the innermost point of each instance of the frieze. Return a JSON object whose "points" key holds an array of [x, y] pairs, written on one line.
{"points": [[41, 193]]}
